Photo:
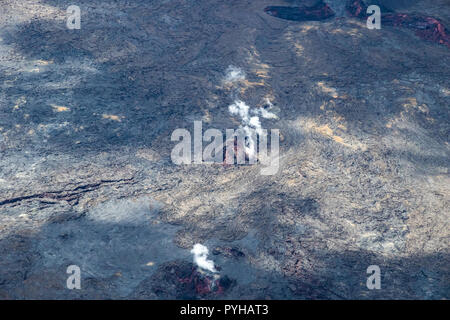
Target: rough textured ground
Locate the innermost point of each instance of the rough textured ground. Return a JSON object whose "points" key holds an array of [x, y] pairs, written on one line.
{"points": [[86, 176]]}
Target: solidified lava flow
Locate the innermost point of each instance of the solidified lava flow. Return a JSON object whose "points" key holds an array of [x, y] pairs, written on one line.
{"points": [[320, 11], [427, 28], [203, 285], [357, 8]]}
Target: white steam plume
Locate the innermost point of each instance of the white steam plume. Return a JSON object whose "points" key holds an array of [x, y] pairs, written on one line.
{"points": [[200, 253], [234, 74], [250, 120]]}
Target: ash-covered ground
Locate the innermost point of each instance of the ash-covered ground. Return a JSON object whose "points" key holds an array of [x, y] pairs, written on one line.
{"points": [[87, 179]]}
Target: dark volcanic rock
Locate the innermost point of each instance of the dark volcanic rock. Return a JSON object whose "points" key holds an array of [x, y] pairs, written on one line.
{"points": [[320, 11], [228, 252], [426, 27], [182, 280]]}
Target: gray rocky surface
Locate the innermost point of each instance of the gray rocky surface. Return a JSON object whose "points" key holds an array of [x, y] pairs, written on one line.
{"points": [[86, 176]]}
